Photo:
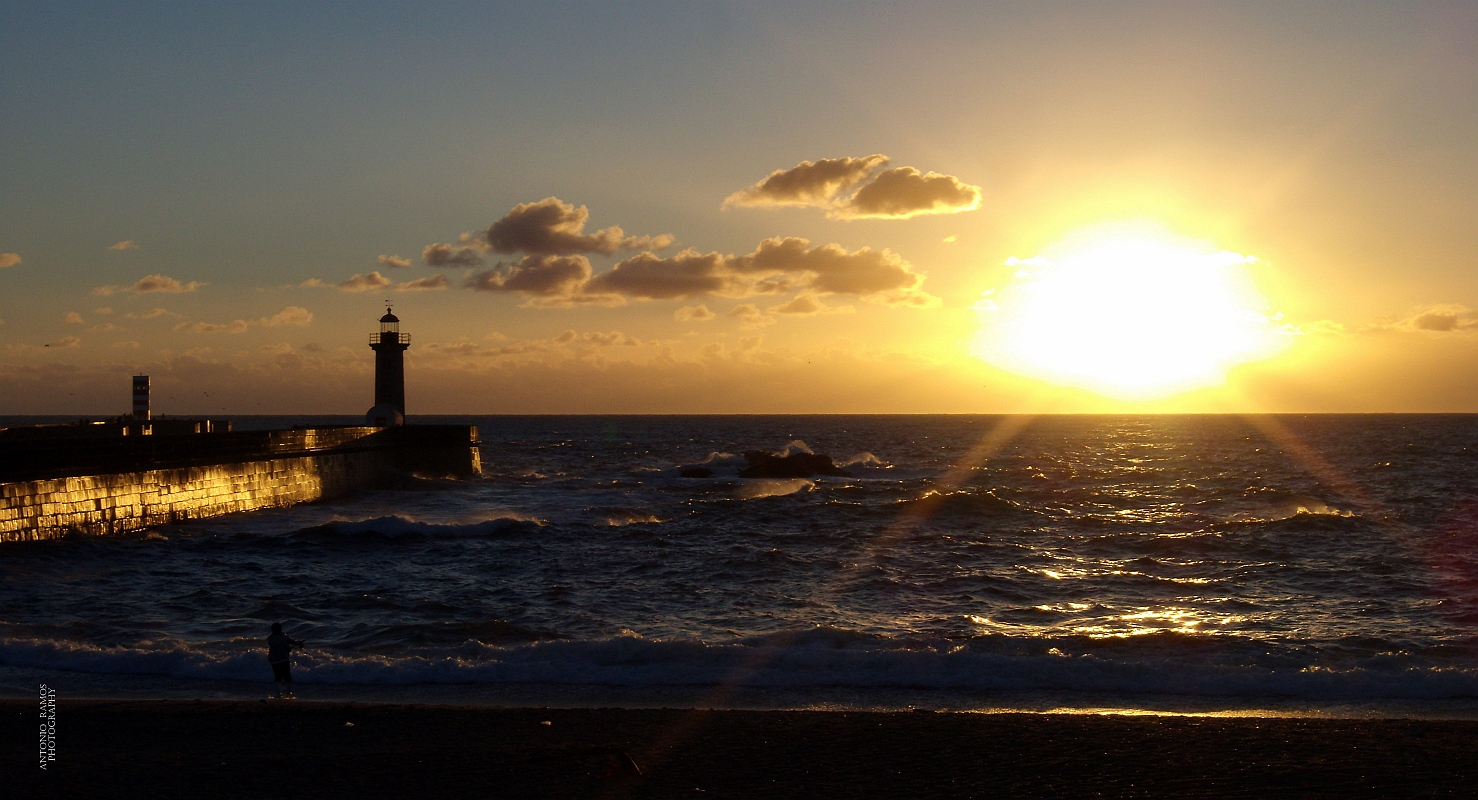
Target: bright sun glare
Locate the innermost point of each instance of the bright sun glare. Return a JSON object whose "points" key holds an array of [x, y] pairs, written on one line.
{"points": [[1128, 311]]}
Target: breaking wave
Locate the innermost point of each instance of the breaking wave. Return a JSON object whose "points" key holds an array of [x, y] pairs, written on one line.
{"points": [[819, 657]]}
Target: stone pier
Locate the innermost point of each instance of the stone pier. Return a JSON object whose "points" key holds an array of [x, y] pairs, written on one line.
{"points": [[49, 488]]}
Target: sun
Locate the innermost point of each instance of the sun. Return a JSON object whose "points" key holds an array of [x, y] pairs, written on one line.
{"points": [[1130, 311]]}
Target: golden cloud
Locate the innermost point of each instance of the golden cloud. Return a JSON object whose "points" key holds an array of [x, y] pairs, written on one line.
{"points": [[859, 188]]}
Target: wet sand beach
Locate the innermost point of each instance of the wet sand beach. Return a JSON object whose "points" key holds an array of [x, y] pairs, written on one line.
{"points": [[197, 749]]}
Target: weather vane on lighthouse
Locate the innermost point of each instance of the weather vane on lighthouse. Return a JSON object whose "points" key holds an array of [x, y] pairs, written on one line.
{"points": [[389, 346]]}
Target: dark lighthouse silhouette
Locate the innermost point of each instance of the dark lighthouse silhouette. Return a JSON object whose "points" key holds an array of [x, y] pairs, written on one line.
{"points": [[389, 346]]}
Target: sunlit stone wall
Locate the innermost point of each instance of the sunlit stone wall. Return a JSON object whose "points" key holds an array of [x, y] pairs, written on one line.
{"points": [[128, 501]]}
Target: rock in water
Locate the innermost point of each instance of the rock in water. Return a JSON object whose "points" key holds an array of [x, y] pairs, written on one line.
{"points": [[796, 465]]}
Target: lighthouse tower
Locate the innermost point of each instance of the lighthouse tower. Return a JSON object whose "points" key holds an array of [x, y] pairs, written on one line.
{"points": [[389, 346]]}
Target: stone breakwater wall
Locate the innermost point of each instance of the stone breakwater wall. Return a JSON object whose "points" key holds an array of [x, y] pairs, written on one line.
{"points": [[290, 467]]}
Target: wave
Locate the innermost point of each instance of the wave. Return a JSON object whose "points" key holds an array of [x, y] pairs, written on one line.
{"points": [[819, 657], [967, 503], [771, 487], [617, 517], [863, 459]]}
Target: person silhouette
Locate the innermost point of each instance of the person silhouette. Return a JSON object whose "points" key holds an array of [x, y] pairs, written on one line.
{"points": [[279, 648]]}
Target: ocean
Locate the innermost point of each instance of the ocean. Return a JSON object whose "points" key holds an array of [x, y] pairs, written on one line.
{"points": [[1323, 565]]}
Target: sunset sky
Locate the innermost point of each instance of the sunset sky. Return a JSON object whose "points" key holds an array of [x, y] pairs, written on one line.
{"points": [[739, 208]]}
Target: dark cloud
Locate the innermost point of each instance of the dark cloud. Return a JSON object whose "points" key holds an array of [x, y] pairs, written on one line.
{"points": [[648, 276], [553, 227], [809, 183], [1445, 321], [445, 255], [163, 283], [832, 269], [1444, 318], [537, 276], [776, 266], [859, 188], [905, 192]]}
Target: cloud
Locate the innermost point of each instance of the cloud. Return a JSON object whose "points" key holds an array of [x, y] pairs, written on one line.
{"points": [[237, 326], [556, 346], [880, 274], [553, 227], [163, 283], [374, 280], [152, 313], [648, 276], [536, 276], [126, 344], [776, 266], [750, 316], [126, 244], [73, 318], [693, 314], [9, 259], [1444, 321], [809, 183], [859, 188], [364, 283], [807, 304], [103, 310], [423, 284], [904, 192], [393, 261], [1443, 318], [65, 341], [104, 328], [150, 284], [601, 339], [1320, 327], [445, 255], [292, 315]]}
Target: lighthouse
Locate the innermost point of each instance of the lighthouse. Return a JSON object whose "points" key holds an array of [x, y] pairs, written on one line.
{"points": [[389, 346]]}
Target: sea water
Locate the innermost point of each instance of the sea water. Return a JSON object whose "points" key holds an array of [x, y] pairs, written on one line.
{"points": [[1260, 564]]}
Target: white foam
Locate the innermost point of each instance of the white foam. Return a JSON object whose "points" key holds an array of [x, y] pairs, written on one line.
{"points": [[766, 487]]}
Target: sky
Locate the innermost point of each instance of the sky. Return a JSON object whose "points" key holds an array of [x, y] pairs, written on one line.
{"points": [[735, 207]]}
